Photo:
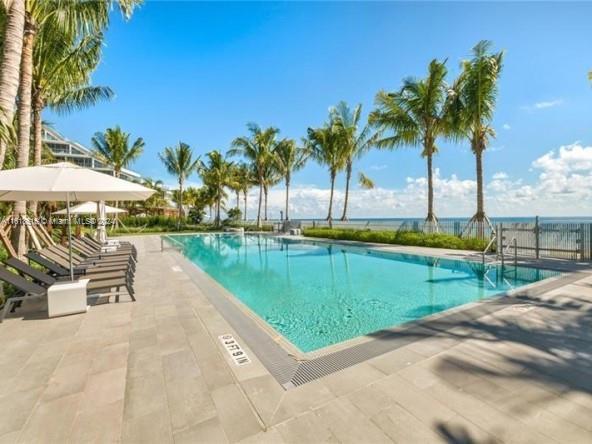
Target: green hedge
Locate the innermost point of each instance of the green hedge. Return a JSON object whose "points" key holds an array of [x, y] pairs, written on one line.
{"points": [[151, 221], [167, 224], [411, 238]]}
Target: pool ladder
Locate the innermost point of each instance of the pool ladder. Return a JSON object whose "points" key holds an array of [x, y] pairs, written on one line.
{"points": [[500, 257], [513, 243], [488, 247]]}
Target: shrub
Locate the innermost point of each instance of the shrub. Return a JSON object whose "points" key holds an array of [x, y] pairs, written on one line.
{"points": [[196, 215], [152, 221], [410, 238], [233, 215], [166, 224]]}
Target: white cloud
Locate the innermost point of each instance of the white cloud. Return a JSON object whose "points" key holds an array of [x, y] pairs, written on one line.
{"points": [[543, 104], [506, 126], [561, 188], [173, 185], [311, 201], [567, 172], [500, 176], [548, 104]]}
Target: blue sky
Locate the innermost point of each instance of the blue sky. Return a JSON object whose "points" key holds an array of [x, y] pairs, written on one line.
{"points": [[197, 72]]}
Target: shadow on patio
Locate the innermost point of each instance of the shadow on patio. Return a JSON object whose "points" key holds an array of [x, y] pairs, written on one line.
{"points": [[535, 355]]}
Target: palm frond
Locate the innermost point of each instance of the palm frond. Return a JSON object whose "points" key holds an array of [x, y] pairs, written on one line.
{"points": [[179, 160], [365, 182], [81, 98], [112, 147], [475, 94]]}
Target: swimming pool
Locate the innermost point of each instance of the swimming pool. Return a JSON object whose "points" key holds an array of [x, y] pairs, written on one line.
{"points": [[318, 294]]}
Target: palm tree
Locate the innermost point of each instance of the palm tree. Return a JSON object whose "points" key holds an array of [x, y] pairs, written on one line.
{"points": [[289, 158], [472, 104], [216, 174], [417, 116], [234, 183], [112, 147], [271, 177], [75, 19], [357, 142], [257, 148], [158, 199], [208, 199], [179, 162], [326, 146], [179, 198], [245, 178], [51, 31], [61, 76], [192, 195], [12, 46]]}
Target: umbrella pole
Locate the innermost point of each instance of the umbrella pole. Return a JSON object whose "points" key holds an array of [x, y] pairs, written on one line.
{"points": [[69, 236]]}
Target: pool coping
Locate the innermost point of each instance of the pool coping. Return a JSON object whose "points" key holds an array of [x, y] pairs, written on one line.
{"points": [[292, 367]]}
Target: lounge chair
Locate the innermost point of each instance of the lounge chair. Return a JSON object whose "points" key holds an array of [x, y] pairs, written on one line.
{"points": [[61, 268], [95, 242], [31, 290], [80, 267], [44, 278], [62, 251], [83, 248], [97, 246], [110, 245], [28, 290], [114, 256]]}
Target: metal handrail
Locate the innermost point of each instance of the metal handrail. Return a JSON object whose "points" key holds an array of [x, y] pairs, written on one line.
{"points": [[489, 245], [514, 243]]}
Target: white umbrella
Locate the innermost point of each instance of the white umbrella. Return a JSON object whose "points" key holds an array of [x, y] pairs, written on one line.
{"points": [[66, 182], [89, 208]]}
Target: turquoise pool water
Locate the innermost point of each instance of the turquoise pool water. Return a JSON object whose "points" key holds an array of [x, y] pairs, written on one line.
{"points": [[318, 294]]}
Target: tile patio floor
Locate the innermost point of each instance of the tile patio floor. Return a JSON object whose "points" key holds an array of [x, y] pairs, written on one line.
{"points": [[154, 371]]}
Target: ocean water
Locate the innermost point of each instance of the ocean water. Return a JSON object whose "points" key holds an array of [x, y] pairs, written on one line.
{"points": [[494, 220], [317, 294]]}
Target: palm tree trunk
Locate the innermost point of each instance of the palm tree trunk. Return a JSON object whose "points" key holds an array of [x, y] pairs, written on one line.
{"points": [[480, 214], [265, 192], [431, 221], [259, 205], [330, 213], [245, 215], [287, 197], [238, 199], [180, 204], [217, 212], [10, 63], [347, 180], [24, 132], [116, 173], [37, 140]]}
